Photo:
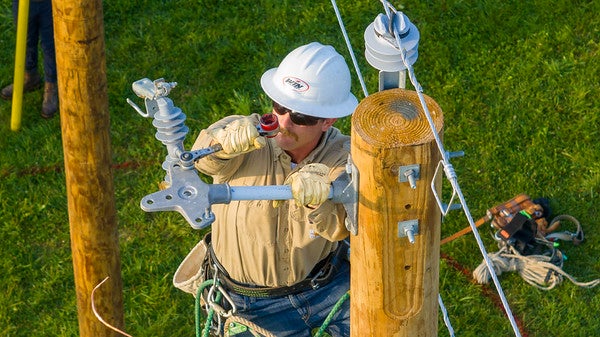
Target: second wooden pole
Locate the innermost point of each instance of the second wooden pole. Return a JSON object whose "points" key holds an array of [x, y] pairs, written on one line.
{"points": [[85, 123]]}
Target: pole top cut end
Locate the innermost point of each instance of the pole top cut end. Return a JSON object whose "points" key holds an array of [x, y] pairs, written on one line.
{"points": [[395, 117]]}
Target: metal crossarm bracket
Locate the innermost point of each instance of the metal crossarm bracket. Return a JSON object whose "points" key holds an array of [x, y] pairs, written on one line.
{"points": [[410, 174]]}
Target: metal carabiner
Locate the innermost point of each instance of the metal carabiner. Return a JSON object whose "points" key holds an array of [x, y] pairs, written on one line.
{"points": [[217, 307], [216, 286]]}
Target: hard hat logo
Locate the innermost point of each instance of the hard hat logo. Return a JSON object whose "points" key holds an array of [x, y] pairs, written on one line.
{"points": [[328, 94], [295, 84]]}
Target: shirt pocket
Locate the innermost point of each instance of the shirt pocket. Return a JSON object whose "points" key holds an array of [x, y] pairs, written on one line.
{"points": [[259, 222], [301, 228]]}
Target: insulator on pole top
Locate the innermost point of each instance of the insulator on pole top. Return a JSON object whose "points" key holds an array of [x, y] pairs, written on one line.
{"points": [[386, 39]]}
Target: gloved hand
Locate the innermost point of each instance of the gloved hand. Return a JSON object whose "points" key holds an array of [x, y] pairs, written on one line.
{"points": [[310, 185], [237, 137]]}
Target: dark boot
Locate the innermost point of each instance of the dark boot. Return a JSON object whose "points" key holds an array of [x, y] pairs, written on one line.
{"points": [[32, 82], [50, 104]]}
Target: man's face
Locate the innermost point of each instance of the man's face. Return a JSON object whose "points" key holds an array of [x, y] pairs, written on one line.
{"points": [[296, 131]]}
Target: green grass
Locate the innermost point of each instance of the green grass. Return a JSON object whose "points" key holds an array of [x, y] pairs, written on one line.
{"points": [[517, 81]]}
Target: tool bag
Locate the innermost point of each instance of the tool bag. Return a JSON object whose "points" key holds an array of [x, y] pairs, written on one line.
{"points": [[192, 271], [501, 215], [519, 221]]}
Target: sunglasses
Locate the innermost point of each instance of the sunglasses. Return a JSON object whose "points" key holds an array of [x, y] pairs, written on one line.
{"points": [[296, 117]]}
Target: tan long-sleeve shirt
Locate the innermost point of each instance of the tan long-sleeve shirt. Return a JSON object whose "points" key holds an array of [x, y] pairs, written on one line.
{"points": [[266, 246]]}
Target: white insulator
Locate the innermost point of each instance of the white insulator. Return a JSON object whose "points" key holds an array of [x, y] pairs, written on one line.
{"points": [[169, 122], [381, 46]]}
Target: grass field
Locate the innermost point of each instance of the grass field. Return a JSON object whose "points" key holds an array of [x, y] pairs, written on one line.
{"points": [[517, 81]]}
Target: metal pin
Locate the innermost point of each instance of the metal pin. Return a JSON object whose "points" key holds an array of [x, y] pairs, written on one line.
{"points": [[412, 180], [409, 233]]}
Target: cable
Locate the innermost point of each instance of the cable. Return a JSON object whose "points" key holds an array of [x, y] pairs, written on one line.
{"points": [[350, 50], [445, 315]]}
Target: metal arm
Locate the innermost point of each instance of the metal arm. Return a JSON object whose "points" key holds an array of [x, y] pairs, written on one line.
{"points": [[192, 197]]}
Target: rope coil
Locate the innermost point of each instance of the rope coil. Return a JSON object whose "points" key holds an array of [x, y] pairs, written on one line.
{"points": [[541, 271]]}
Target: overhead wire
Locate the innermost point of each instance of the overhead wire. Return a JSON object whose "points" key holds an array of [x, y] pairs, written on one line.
{"points": [[349, 46]]}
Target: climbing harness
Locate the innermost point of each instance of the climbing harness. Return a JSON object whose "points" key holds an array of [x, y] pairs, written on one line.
{"points": [[201, 274], [501, 214], [528, 244], [236, 324], [211, 301]]}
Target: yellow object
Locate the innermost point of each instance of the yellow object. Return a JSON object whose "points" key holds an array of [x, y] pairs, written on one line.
{"points": [[17, 96]]}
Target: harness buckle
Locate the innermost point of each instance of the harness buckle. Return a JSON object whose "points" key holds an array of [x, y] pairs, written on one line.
{"points": [[314, 281]]}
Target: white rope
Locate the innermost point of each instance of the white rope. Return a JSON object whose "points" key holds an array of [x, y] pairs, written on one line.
{"points": [[98, 315], [537, 270]]}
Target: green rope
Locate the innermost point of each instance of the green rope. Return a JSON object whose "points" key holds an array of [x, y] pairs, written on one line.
{"points": [[198, 312], [333, 311]]}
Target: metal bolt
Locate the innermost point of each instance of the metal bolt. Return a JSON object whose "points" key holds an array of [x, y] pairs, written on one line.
{"points": [[455, 154], [410, 174], [186, 156], [408, 229]]}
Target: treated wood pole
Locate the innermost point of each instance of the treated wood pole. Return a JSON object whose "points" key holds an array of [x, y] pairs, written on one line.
{"points": [[394, 284], [81, 67]]}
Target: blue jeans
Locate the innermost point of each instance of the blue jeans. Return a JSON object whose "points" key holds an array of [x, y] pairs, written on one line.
{"points": [[39, 29], [297, 315]]}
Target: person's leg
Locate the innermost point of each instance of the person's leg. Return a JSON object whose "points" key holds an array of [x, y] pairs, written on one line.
{"points": [[282, 317], [323, 300], [32, 80], [33, 37], [50, 103], [47, 40]]}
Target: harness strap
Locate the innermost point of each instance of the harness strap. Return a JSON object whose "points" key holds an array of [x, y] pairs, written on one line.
{"points": [[576, 237]]}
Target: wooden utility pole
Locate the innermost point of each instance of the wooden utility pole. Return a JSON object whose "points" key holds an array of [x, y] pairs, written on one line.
{"points": [[395, 283], [84, 116]]}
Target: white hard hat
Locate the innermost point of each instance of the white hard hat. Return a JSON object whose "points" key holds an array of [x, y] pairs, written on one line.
{"points": [[313, 80]]}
